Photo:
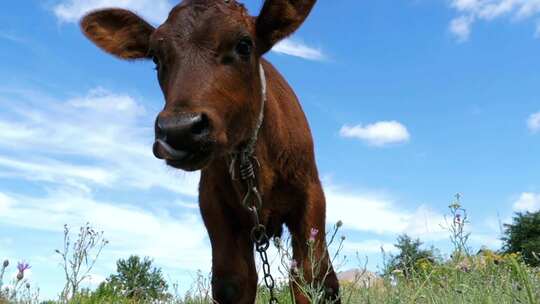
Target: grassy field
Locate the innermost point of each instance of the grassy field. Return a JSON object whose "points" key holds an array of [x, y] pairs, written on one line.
{"points": [[485, 279]]}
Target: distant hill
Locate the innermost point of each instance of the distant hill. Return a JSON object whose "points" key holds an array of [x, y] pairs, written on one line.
{"points": [[359, 276]]}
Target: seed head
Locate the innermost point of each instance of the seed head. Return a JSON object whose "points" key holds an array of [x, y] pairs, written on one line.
{"points": [[6, 263]]}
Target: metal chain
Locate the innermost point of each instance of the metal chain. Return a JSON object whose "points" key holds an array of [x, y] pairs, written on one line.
{"points": [[253, 200], [262, 243], [259, 236]]}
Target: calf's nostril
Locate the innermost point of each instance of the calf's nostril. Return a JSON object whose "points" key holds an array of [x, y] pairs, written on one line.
{"points": [[160, 132], [201, 125]]}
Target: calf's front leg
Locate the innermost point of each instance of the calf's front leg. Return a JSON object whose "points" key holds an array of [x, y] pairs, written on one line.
{"points": [[310, 250], [234, 275]]}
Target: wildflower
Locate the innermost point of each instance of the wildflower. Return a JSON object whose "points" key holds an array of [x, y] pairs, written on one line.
{"points": [[294, 266], [464, 266], [6, 263], [457, 219], [424, 264], [22, 267], [313, 234]]}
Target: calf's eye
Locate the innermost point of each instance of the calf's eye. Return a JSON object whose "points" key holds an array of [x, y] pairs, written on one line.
{"points": [[244, 47]]}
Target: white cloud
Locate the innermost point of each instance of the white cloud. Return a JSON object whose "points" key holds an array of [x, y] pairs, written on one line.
{"points": [[82, 154], [298, 49], [377, 214], [527, 201], [54, 171], [94, 280], [369, 247], [109, 134], [461, 27], [378, 134], [11, 37], [465, 4], [5, 203], [534, 122], [130, 230], [529, 8], [492, 241], [155, 11], [471, 11]]}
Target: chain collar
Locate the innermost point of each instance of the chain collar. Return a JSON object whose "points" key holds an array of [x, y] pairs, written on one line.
{"points": [[246, 154], [252, 201]]}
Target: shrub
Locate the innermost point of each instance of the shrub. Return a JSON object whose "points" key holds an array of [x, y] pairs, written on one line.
{"points": [[523, 236], [136, 279], [411, 257]]}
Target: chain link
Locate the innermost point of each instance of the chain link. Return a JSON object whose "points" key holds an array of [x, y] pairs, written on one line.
{"points": [[262, 243], [259, 236]]}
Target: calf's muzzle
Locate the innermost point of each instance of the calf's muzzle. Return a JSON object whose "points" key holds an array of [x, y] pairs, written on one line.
{"points": [[180, 136]]}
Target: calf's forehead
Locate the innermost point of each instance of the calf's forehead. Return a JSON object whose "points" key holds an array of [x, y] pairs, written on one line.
{"points": [[192, 16]]}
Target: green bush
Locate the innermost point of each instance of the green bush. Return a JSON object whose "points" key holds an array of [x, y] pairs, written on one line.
{"points": [[523, 236], [411, 257], [136, 279]]}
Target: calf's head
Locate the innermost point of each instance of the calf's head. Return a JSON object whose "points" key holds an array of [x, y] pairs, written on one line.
{"points": [[207, 56]]}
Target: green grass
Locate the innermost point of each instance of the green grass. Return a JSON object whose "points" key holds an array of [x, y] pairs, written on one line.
{"points": [[508, 281], [487, 278]]}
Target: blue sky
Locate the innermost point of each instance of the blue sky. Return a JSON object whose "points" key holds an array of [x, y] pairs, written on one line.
{"points": [[409, 101]]}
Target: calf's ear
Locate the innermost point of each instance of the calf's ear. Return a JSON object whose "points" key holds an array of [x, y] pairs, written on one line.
{"points": [[118, 32], [279, 19]]}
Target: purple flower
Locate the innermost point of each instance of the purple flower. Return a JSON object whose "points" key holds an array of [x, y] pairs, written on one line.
{"points": [[313, 234], [294, 266], [22, 266], [458, 218]]}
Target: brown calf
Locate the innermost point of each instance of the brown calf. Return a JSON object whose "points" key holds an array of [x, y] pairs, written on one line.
{"points": [[208, 57]]}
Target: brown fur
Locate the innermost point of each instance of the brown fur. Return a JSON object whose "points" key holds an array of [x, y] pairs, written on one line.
{"points": [[199, 73]]}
